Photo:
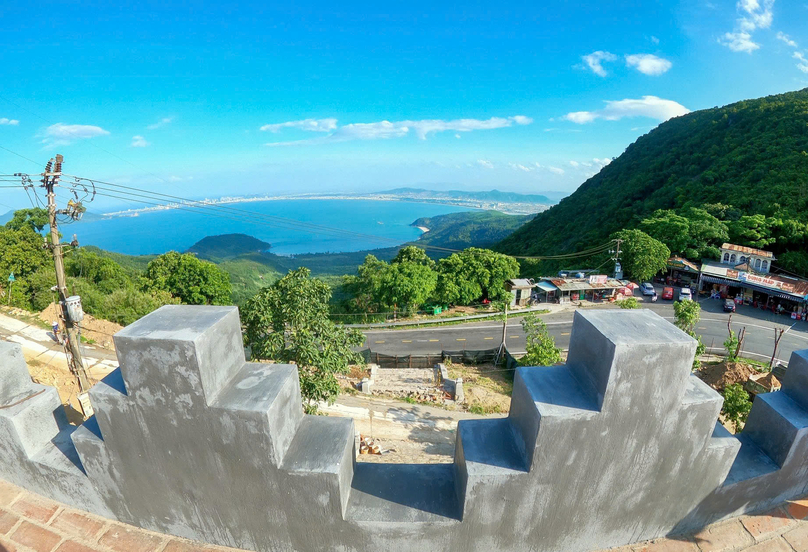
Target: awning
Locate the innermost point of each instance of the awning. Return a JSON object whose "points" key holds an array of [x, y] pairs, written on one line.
{"points": [[736, 283], [546, 286]]}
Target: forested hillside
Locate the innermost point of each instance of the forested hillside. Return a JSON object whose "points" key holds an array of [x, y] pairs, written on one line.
{"points": [[469, 228], [740, 171]]}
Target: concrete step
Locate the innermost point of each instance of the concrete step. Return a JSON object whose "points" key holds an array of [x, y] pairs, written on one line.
{"points": [[324, 448], [271, 394], [775, 424], [489, 448], [547, 395], [700, 407], [35, 420], [750, 462], [60, 455], [402, 494]]}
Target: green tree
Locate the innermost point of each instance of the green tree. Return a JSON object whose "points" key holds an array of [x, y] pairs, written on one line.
{"points": [[736, 405], [670, 228], [642, 256], [193, 281], [36, 219], [686, 315], [407, 285], [413, 254], [541, 348], [474, 274], [753, 231], [731, 346], [629, 303], [288, 322]]}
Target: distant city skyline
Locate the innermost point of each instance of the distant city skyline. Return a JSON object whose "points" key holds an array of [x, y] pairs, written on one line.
{"points": [[214, 101]]}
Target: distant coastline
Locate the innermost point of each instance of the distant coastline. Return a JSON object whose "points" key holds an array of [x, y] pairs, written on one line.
{"points": [[511, 208]]}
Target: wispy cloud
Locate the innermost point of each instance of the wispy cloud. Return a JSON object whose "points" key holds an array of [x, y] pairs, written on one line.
{"points": [[555, 170], [312, 125], [755, 14], [161, 123], [175, 178], [383, 130], [655, 40], [802, 62], [61, 134], [484, 163], [647, 106], [139, 142], [594, 61], [648, 64], [520, 167], [787, 39], [10, 122], [574, 164]]}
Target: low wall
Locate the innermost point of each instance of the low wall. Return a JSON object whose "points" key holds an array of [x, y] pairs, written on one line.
{"points": [[617, 446]]}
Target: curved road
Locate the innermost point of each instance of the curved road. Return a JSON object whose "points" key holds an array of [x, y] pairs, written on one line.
{"points": [[758, 344]]}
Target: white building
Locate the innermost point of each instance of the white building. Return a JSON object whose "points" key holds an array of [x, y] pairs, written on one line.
{"points": [[756, 259]]}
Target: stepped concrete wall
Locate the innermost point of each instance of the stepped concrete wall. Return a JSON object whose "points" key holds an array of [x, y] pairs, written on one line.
{"points": [[619, 445]]}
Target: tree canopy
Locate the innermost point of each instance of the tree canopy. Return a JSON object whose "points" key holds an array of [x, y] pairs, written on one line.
{"points": [[642, 256], [288, 322], [193, 281], [474, 274]]}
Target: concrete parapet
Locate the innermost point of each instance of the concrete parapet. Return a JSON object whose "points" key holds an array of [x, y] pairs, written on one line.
{"points": [[617, 446]]}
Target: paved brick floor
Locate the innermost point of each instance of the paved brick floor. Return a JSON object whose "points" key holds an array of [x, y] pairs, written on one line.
{"points": [[30, 523]]}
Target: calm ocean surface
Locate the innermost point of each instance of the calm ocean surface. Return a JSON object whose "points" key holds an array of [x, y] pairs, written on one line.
{"points": [[161, 231]]}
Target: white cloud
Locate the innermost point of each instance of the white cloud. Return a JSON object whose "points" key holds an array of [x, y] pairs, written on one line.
{"points": [[312, 125], [787, 39], [139, 142], [161, 123], [647, 106], [555, 170], [574, 163], [518, 167], [11, 122], [802, 62], [739, 42], [601, 162], [537, 165], [385, 129], [648, 64], [655, 40], [754, 15], [457, 136], [595, 61], [485, 164], [175, 178], [61, 134]]}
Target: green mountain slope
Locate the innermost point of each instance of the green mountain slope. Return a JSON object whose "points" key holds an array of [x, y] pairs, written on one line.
{"points": [[227, 246], [469, 228], [751, 155]]}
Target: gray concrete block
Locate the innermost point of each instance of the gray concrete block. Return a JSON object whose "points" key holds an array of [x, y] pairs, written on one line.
{"points": [[795, 382], [16, 382], [617, 446]]}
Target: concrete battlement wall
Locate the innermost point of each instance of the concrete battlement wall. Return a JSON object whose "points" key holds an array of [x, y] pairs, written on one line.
{"points": [[619, 445]]}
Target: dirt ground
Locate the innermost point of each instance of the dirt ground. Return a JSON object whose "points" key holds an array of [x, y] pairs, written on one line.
{"points": [[99, 332], [722, 374], [64, 382], [487, 388]]}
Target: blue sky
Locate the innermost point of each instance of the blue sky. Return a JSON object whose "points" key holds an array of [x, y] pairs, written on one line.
{"points": [[200, 100]]}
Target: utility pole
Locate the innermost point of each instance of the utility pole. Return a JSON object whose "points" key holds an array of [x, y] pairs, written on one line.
{"points": [[75, 362], [504, 332], [618, 269]]}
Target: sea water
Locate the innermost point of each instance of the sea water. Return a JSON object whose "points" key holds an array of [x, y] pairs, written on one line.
{"points": [[359, 225]]}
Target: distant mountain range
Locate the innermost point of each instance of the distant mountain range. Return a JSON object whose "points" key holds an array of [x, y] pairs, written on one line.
{"points": [[491, 196]]}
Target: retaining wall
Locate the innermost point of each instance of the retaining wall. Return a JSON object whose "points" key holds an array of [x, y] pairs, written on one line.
{"points": [[617, 446]]}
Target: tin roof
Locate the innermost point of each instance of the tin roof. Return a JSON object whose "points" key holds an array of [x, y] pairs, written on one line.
{"points": [[684, 263], [747, 250], [581, 284], [521, 282]]}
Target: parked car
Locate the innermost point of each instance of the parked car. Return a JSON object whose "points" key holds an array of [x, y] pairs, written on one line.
{"points": [[647, 289], [667, 293], [685, 295], [729, 305]]}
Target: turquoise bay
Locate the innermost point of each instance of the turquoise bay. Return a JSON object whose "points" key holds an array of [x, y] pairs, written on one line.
{"points": [[382, 223]]}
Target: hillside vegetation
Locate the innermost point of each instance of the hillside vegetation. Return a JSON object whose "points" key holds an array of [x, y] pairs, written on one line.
{"points": [[469, 229], [738, 172]]}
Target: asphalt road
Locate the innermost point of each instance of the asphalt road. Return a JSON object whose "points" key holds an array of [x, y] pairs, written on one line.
{"points": [[758, 344]]}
